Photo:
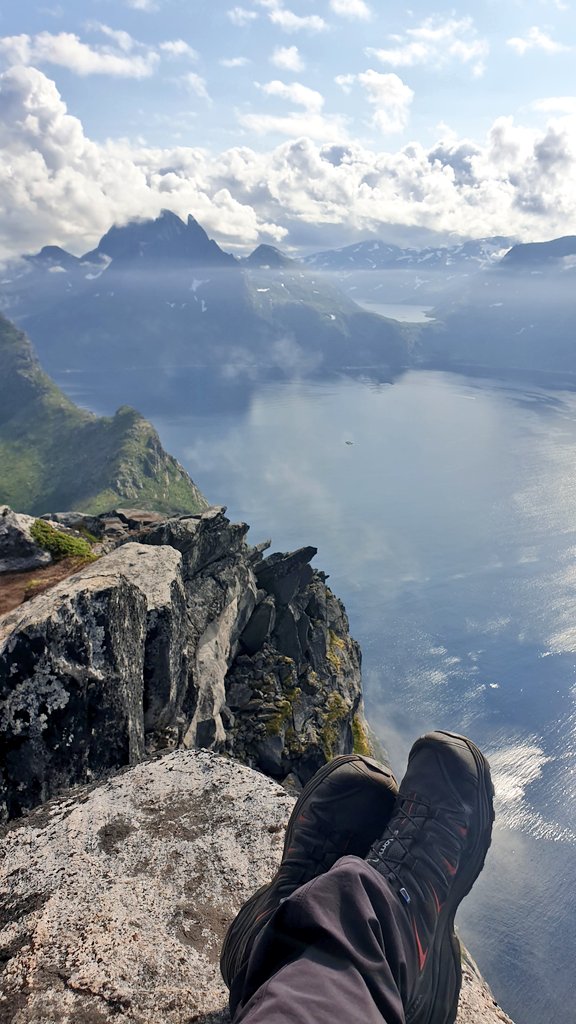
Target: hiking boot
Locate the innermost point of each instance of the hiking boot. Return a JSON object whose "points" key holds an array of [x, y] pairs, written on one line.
{"points": [[340, 811], [431, 853]]}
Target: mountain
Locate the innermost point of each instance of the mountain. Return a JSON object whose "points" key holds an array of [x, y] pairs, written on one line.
{"points": [[517, 315], [267, 257], [157, 304], [536, 255], [167, 238], [376, 272], [55, 455]]}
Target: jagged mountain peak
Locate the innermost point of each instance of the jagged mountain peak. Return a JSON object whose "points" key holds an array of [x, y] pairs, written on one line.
{"points": [[163, 238]]}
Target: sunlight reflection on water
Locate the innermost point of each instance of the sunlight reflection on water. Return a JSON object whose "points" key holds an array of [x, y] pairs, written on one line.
{"points": [[449, 530]]}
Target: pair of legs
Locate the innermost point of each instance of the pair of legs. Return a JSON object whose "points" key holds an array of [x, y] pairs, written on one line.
{"points": [[358, 923]]}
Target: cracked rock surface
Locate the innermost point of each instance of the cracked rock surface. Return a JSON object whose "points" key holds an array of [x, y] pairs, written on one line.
{"points": [[115, 900], [181, 635]]}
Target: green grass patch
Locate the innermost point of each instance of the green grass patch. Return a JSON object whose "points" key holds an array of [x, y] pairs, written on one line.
{"points": [[60, 545]]}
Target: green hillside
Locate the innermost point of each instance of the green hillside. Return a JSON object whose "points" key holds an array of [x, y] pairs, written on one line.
{"points": [[55, 456]]}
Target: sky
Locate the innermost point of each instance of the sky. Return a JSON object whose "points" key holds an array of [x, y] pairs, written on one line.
{"points": [[306, 125]]}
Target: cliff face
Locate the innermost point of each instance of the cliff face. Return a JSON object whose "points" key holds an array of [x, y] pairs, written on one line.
{"points": [[185, 635], [55, 455], [115, 900]]}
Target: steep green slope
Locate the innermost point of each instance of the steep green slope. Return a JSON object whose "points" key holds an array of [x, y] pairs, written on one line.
{"points": [[55, 456]]}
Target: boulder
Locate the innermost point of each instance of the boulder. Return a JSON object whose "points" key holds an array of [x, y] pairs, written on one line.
{"points": [[18, 549], [116, 900]]}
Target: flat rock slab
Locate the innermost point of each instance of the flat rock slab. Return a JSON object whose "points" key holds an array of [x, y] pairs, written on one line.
{"points": [[115, 900]]}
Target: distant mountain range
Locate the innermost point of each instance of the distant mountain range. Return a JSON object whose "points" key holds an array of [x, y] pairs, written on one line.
{"points": [[161, 296], [519, 314], [55, 456], [377, 272], [158, 307]]}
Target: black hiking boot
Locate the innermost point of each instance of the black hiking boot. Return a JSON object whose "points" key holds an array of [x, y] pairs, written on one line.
{"points": [[431, 853], [340, 811]]}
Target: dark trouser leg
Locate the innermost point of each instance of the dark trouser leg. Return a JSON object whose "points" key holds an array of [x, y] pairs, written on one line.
{"points": [[338, 951]]}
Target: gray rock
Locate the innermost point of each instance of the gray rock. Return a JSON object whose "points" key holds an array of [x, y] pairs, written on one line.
{"points": [[282, 575], [115, 901], [18, 550], [259, 626], [72, 683], [173, 641], [77, 521]]}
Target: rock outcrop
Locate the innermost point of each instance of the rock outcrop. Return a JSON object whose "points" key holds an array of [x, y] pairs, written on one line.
{"points": [[182, 635], [115, 900], [18, 549]]}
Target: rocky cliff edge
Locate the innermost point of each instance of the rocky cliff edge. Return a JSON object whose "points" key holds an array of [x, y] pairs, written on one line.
{"points": [[182, 635], [115, 900]]}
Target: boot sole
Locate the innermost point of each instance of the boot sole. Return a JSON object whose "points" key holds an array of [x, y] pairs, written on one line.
{"points": [[446, 957]]}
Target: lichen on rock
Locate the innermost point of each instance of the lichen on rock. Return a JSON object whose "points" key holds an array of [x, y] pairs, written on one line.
{"points": [[116, 899], [181, 634]]}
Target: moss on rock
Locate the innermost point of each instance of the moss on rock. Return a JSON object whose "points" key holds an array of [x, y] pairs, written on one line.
{"points": [[59, 544]]}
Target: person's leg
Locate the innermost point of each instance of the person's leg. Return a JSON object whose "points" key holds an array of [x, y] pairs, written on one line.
{"points": [[335, 951], [341, 810], [374, 941]]}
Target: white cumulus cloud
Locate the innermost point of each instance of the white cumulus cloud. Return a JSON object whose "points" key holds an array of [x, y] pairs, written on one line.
{"points": [[391, 98], [356, 9], [536, 39], [436, 42], [196, 84], [65, 49], [297, 93], [57, 186], [234, 62], [288, 21], [287, 58], [241, 16], [178, 48], [556, 105]]}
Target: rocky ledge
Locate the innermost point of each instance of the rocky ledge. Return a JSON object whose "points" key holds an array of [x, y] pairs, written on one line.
{"points": [[115, 900], [179, 635]]}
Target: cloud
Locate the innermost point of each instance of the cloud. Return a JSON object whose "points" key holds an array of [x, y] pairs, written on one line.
{"points": [[391, 98], [288, 21], [66, 50], [57, 186], [309, 126], [345, 82], [234, 62], [556, 105], [123, 40], [387, 93], [142, 5], [297, 93], [536, 39], [311, 123], [436, 42], [241, 16], [16, 49], [356, 9], [287, 58], [178, 48], [196, 84]]}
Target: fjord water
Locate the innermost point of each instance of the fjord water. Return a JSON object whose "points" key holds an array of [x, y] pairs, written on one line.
{"points": [[444, 509]]}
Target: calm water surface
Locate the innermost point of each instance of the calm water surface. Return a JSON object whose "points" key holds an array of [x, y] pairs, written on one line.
{"points": [[448, 527]]}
